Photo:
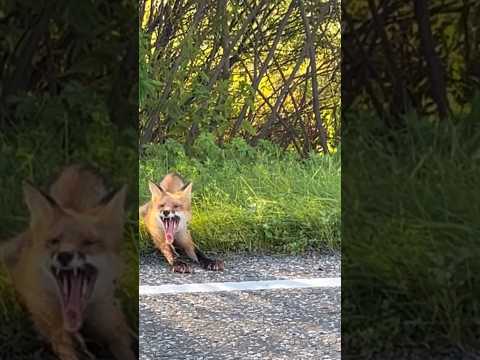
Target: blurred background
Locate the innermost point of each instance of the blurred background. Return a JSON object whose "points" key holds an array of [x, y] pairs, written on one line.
{"points": [[410, 169]]}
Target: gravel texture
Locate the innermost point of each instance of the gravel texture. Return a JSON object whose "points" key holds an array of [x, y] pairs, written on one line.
{"points": [[243, 267], [265, 324], [282, 324]]}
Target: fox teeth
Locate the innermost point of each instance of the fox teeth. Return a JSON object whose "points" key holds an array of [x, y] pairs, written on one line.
{"points": [[65, 286], [84, 287]]}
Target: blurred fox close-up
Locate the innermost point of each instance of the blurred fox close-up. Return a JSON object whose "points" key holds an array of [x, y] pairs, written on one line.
{"points": [[66, 265], [68, 180]]}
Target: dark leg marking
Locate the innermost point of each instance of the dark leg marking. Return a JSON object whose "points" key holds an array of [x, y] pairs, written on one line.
{"points": [[181, 267], [209, 264]]}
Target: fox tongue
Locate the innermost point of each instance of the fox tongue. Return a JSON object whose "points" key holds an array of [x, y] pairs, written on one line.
{"points": [[73, 307], [169, 230]]}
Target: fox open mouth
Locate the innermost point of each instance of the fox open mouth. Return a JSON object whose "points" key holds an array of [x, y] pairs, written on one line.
{"points": [[170, 224], [75, 286]]}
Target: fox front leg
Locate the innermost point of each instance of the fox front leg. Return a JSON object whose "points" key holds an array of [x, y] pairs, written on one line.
{"points": [[186, 243], [49, 323], [61, 341], [209, 264], [167, 251], [108, 323], [63, 346], [64, 349]]}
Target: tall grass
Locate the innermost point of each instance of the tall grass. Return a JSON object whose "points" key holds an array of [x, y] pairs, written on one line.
{"points": [[410, 249], [253, 199]]}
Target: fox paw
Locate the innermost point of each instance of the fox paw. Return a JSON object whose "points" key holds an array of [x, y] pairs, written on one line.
{"points": [[215, 265], [181, 267]]}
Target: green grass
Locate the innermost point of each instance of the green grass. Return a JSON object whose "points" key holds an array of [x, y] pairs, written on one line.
{"points": [[37, 154], [252, 199], [411, 220]]}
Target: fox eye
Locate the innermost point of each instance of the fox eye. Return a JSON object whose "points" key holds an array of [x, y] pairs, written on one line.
{"points": [[161, 205], [54, 241], [176, 206], [89, 242]]}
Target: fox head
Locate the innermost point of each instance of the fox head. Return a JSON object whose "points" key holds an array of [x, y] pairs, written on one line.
{"points": [[76, 252], [172, 209]]}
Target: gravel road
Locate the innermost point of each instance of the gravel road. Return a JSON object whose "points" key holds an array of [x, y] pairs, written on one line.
{"points": [[261, 324]]}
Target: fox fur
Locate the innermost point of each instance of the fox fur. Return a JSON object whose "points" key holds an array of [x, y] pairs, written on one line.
{"points": [[64, 266], [166, 217]]}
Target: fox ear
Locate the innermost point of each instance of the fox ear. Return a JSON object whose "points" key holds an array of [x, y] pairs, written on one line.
{"points": [[113, 207], [40, 205], [187, 190], [155, 190]]}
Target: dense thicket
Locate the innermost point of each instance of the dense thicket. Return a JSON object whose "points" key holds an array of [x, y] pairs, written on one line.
{"points": [[257, 69], [401, 56], [68, 60]]}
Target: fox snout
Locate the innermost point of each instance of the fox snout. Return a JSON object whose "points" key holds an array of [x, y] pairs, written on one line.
{"points": [[68, 259], [167, 213], [170, 221], [170, 216], [75, 279], [74, 262]]}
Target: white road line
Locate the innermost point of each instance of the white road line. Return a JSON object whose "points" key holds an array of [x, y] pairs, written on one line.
{"points": [[240, 286]]}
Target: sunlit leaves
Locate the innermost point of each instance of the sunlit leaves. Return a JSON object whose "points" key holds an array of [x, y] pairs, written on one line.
{"points": [[200, 86]]}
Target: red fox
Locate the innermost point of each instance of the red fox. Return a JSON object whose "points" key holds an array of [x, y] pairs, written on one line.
{"points": [[65, 265], [166, 217]]}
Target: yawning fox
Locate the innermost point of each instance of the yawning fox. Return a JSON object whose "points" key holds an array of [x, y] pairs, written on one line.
{"points": [[65, 265], [166, 217]]}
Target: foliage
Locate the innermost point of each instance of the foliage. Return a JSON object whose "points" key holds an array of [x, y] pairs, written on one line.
{"points": [[67, 60], [241, 69], [254, 199], [391, 70], [410, 222], [146, 84]]}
